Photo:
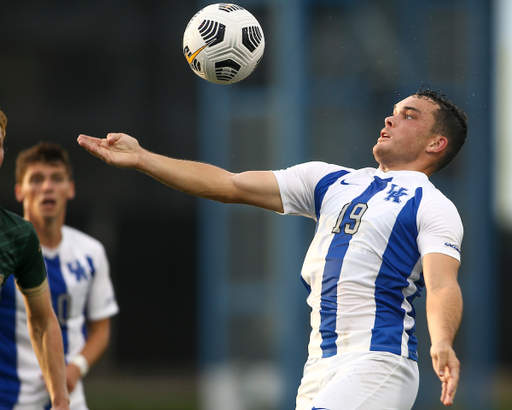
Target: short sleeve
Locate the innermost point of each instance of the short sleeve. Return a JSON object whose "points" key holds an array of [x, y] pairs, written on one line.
{"points": [[297, 186], [30, 272], [440, 227], [101, 300]]}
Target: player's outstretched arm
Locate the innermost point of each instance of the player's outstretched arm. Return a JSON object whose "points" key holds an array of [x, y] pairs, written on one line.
{"points": [[258, 188], [46, 340], [444, 313]]}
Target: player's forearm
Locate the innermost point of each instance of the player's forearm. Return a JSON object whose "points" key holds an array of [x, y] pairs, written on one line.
{"points": [[444, 313], [195, 178], [97, 340], [257, 188], [47, 344]]}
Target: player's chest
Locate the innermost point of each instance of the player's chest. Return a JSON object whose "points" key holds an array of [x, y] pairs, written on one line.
{"points": [[348, 207], [73, 271]]}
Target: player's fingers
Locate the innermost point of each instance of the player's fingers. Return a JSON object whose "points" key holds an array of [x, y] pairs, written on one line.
{"points": [[449, 385], [113, 137], [453, 381], [86, 138], [89, 143], [440, 364], [93, 149], [443, 392]]}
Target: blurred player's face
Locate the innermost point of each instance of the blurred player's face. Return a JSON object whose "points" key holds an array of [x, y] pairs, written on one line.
{"points": [[44, 191], [406, 136]]}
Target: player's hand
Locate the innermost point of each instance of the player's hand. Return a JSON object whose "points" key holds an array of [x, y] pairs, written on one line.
{"points": [[116, 149], [72, 376], [61, 404], [447, 367], [63, 407]]}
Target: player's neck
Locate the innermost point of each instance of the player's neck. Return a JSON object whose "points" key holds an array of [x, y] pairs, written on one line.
{"points": [[49, 232], [418, 166]]}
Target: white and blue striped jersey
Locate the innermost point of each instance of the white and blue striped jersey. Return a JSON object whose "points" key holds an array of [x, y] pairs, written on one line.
{"points": [[81, 290], [363, 268]]}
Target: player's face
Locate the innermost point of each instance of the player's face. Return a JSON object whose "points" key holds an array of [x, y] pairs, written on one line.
{"points": [[45, 190], [406, 134]]}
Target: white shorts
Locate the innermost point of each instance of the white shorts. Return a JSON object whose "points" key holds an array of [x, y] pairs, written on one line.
{"points": [[76, 398], [359, 381]]}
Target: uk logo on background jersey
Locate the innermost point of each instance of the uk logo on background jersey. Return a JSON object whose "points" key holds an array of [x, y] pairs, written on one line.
{"points": [[77, 270], [80, 272]]}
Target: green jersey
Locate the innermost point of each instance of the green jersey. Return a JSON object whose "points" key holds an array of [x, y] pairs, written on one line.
{"points": [[20, 253]]}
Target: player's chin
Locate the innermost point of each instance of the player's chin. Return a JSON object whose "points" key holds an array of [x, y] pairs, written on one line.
{"points": [[381, 154]]}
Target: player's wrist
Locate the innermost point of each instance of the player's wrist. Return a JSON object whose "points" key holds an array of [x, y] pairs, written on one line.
{"points": [[83, 365]]}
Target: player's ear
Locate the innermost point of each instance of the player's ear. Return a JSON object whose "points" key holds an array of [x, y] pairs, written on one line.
{"points": [[71, 191], [437, 144], [17, 193]]}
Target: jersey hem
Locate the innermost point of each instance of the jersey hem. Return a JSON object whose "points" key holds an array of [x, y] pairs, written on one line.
{"points": [[413, 355]]}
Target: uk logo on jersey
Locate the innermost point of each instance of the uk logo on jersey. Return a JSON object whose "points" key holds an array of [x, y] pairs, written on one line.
{"points": [[78, 270], [395, 193]]}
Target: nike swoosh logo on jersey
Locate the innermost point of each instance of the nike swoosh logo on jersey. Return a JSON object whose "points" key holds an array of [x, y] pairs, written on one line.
{"points": [[319, 408], [342, 182]]}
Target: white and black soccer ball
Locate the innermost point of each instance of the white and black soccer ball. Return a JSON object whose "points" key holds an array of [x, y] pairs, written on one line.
{"points": [[223, 43]]}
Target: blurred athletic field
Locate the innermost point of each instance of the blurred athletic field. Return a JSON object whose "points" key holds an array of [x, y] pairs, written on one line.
{"points": [[137, 393]]}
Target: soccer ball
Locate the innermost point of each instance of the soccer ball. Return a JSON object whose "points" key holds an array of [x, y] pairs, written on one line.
{"points": [[223, 43]]}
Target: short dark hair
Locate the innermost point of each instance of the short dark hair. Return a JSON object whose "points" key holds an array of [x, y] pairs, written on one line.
{"points": [[3, 122], [44, 152], [450, 121]]}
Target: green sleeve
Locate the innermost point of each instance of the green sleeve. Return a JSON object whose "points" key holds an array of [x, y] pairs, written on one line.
{"points": [[31, 270]]}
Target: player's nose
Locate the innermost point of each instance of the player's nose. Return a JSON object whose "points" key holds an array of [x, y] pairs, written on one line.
{"points": [[389, 121], [47, 184]]}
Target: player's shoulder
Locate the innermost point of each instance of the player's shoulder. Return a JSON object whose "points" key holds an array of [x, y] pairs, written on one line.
{"points": [[432, 193], [318, 169], [435, 203], [78, 238], [326, 167], [13, 223]]}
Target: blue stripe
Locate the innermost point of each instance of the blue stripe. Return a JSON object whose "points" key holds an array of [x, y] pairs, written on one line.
{"points": [[9, 379], [332, 270], [307, 286], [90, 261], [91, 265], [398, 261], [322, 187], [58, 287]]}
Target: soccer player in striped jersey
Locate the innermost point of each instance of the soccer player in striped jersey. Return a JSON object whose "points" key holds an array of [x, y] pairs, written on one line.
{"points": [[78, 273], [22, 265], [383, 234]]}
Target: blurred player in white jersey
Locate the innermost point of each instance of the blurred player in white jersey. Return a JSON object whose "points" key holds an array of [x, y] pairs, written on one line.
{"points": [[78, 273], [21, 258], [382, 235]]}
